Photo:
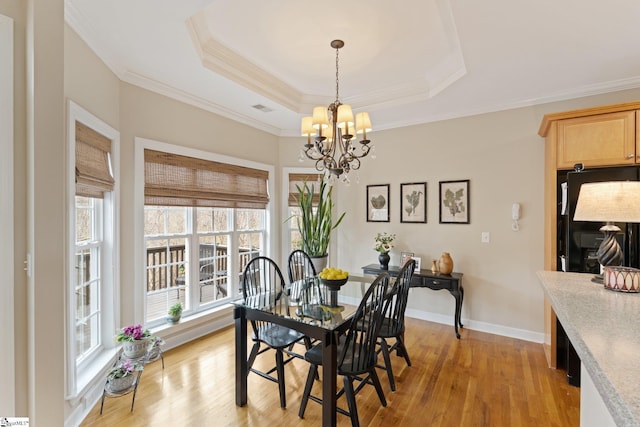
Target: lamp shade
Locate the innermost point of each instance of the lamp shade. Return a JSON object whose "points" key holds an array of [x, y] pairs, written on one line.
{"points": [[617, 201], [345, 117], [306, 127], [363, 123], [320, 118]]}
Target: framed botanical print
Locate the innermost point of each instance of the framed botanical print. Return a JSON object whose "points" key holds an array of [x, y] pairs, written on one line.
{"points": [[413, 202], [454, 202], [378, 203]]}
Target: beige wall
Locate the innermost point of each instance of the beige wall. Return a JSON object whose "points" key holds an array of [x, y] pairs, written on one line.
{"points": [[503, 157]]}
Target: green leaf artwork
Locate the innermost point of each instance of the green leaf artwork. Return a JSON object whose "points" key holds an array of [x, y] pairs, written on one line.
{"points": [[453, 201], [413, 200]]}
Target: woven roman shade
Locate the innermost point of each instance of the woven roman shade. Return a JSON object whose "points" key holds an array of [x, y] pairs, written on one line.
{"points": [[175, 180], [299, 179], [93, 168]]}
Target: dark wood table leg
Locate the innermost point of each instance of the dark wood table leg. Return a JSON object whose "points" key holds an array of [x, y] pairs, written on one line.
{"points": [[456, 318], [239, 315], [329, 379]]}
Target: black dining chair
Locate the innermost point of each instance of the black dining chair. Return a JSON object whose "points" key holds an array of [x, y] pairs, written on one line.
{"points": [[356, 352], [393, 320], [262, 279], [300, 266]]}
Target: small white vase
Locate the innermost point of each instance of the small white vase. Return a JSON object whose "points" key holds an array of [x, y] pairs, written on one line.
{"points": [[136, 348]]}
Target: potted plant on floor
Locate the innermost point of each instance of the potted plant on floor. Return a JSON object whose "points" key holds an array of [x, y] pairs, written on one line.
{"points": [[316, 222], [175, 312]]}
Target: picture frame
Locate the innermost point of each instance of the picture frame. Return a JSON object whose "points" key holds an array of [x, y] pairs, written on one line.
{"points": [[404, 257], [454, 202], [407, 256], [418, 260], [413, 202], [378, 203]]}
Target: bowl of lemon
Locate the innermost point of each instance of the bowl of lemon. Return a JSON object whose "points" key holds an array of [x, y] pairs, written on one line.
{"points": [[333, 278]]}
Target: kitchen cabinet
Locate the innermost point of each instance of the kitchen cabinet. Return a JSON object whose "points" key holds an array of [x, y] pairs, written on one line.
{"points": [[599, 136], [600, 140]]}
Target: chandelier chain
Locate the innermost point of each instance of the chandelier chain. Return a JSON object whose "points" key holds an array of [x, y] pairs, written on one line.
{"points": [[337, 79]]}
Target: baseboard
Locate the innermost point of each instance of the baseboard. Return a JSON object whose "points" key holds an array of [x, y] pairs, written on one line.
{"points": [[475, 325]]}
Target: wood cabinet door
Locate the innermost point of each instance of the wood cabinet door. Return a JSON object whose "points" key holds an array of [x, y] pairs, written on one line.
{"points": [[599, 140]]}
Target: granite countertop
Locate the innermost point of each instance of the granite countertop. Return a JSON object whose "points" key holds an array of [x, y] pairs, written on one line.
{"points": [[604, 328]]}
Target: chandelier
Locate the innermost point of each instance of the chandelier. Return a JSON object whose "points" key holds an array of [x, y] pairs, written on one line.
{"points": [[333, 130]]}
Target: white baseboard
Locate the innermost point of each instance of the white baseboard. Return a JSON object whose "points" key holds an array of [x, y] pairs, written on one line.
{"points": [[475, 325]]}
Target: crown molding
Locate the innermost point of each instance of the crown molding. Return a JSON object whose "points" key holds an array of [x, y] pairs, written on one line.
{"points": [[182, 96]]}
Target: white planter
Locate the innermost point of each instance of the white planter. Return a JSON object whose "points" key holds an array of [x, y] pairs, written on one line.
{"points": [[121, 384], [319, 262], [135, 349]]}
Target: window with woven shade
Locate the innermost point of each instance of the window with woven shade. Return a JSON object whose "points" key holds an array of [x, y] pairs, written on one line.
{"points": [[176, 180], [297, 180], [94, 175]]}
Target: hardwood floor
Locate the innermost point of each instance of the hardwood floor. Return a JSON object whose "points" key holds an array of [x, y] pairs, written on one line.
{"points": [[479, 380]]}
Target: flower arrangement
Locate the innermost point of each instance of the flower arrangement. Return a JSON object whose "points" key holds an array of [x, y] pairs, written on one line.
{"points": [[123, 369], [384, 242], [132, 333]]}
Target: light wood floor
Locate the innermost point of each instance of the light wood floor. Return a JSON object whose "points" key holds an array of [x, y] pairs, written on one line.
{"points": [[479, 380]]}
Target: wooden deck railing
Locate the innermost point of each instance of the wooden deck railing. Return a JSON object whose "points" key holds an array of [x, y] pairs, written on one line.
{"points": [[163, 272]]}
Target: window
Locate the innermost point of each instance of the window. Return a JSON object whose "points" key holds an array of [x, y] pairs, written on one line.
{"points": [[296, 179], [88, 281], [92, 255], [203, 221]]}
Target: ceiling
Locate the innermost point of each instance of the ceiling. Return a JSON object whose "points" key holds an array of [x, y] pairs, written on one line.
{"points": [[406, 63]]}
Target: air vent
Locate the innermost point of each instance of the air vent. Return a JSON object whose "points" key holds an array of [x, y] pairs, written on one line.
{"points": [[262, 108]]}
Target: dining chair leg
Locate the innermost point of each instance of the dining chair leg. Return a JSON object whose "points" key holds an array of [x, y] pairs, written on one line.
{"points": [[387, 363], [376, 383], [281, 384], [351, 401], [313, 372], [403, 349], [252, 356]]}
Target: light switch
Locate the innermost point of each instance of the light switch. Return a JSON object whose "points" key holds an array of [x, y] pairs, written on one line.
{"points": [[486, 237]]}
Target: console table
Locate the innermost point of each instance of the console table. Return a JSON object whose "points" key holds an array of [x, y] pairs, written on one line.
{"points": [[426, 279]]}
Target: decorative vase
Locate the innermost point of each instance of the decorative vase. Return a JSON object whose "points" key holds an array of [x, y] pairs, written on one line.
{"points": [[445, 263], [383, 259], [135, 349], [434, 267], [121, 384]]}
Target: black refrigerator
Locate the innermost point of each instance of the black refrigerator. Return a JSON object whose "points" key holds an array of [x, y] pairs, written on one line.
{"points": [[578, 243]]}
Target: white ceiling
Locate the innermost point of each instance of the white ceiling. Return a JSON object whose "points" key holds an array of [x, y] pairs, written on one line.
{"points": [[405, 62]]}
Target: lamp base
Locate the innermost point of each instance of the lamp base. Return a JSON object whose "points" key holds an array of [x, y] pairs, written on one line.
{"points": [[609, 252]]}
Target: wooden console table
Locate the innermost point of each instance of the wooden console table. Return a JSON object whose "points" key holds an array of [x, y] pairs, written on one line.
{"points": [[436, 281]]}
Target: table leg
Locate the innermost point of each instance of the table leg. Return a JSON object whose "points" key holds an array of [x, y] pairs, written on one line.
{"points": [[456, 317], [329, 379], [239, 315]]}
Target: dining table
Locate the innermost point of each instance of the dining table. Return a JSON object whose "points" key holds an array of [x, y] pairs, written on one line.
{"points": [[321, 321]]}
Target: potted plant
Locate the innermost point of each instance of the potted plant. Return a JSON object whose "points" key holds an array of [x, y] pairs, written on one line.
{"points": [[135, 341], [175, 312], [122, 376], [315, 222]]}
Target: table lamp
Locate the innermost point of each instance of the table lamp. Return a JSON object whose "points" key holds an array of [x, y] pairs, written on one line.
{"points": [[609, 202]]}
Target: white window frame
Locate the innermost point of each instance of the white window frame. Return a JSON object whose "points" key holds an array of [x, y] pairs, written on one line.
{"points": [[139, 246], [7, 367], [78, 379], [286, 228]]}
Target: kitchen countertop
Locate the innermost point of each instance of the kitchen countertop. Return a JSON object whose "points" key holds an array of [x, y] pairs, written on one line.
{"points": [[604, 328]]}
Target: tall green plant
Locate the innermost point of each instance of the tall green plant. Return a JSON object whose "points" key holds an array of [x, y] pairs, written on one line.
{"points": [[315, 225]]}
